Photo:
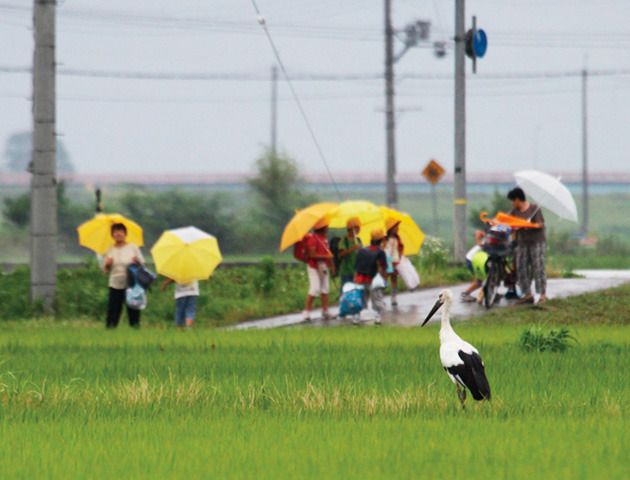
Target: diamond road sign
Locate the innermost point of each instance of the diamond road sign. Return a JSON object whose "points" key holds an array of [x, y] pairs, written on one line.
{"points": [[433, 172]]}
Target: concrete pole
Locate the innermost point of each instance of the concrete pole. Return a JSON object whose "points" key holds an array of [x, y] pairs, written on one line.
{"points": [[584, 228], [43, 160], [459, 194], [390, 121], [274, 108]]}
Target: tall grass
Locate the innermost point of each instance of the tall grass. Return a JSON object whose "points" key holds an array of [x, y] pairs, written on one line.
{"points": [[78, 402]]}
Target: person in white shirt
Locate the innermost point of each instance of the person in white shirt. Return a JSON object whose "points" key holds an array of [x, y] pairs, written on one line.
{"points": [[185, 302], [117, 258]]}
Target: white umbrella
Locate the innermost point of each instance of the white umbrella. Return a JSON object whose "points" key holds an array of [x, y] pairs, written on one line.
{"points": [[548, 192]]}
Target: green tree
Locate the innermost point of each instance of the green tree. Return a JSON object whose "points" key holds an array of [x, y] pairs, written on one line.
{"points": [[278, 189], [17, 210], [157, 212], [18, 151]]}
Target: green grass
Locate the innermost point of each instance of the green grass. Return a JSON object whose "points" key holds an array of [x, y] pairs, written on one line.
{"points": [[79, 402]]}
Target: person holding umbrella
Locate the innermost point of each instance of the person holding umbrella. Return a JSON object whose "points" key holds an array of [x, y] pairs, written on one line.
{"points": [[184, 256], [185, 302], [349, 245], [531, 244], [117, 258], [394, 249], [318, 264]]}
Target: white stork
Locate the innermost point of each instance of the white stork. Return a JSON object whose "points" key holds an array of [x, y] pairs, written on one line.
{"points": [[460, 359]]}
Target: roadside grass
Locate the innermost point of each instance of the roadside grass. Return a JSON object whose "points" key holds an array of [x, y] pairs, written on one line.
{"points": [[80, 402]]}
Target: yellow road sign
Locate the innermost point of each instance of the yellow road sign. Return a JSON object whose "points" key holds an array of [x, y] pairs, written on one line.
{"points": [[433, 172]]}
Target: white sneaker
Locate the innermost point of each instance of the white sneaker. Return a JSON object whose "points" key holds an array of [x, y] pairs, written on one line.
{"points": [[306, 316]]}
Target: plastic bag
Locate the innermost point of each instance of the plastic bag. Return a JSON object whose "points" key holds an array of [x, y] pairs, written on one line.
{"points": [[408, 273], [379, 282], [136, 297]]}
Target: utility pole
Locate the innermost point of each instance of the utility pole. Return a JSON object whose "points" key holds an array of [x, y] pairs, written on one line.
{"points": [[390, 121], [584, 228], [459, 194], [43, 160], [274, 107]]}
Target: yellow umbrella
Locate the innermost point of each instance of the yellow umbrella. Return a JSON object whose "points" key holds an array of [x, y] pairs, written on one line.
{"points": [[95, 234], [365, 211], [409, 233], [302, 222], [186, 254]]}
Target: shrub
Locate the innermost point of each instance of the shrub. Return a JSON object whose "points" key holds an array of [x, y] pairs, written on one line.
{"points": [[534, 338], [433, 254]]}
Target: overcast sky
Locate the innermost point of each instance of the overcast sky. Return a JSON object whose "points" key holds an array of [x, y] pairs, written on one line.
{"points": [[523, 106]]}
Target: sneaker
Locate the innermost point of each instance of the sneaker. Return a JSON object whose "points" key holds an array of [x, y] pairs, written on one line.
{"points": [[394, 301], [306, 316], [328, 316], [377, 320], [467, 297]]}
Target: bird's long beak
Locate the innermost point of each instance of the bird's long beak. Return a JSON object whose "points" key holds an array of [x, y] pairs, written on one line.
{"points": [[435, 308]]}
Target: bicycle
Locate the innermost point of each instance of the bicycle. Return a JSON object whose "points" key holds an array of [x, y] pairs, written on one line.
{"points": [[499, 270]]}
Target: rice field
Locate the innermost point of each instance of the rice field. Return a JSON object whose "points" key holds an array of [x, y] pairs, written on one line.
{"points": [[77, 401]]}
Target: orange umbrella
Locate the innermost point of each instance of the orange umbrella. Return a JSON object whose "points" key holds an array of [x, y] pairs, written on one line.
{"points": [[505, 219]]}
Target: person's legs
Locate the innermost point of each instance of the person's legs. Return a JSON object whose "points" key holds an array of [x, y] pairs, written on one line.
{"points": [[191, 310], [377, 299], [314, 291], [134, 317], [393, 281], [180, 312], [538, 264], [324, 282], [114, 307], [523, 270]]}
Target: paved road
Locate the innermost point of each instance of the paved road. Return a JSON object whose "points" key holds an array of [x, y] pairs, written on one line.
{"points": [[414, 306]]}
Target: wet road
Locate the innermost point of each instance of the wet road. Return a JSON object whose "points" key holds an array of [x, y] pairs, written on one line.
{"points": [[414, 306]]}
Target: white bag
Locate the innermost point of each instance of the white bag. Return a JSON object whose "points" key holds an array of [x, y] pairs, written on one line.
{"points": [[408, 273], [379, 282]]}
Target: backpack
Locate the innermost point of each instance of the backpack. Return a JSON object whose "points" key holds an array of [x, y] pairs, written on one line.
{"points": [[300, 249], [138, 275]]}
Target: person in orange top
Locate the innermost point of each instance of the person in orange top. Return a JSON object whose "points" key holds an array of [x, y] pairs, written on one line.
{"points": [[318, 265]]}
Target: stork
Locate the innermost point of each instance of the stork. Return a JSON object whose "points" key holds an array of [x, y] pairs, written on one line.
{"points": [[459, 358]]}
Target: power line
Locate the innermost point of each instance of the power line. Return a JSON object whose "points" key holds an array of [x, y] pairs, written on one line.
{"points": [[263, 24], [311, 77]]}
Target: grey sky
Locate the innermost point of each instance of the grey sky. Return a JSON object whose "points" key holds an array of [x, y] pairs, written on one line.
{"points": [[118, 125]]}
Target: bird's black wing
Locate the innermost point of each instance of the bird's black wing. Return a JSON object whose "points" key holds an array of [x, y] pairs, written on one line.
{"points": [[473, 375]]}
